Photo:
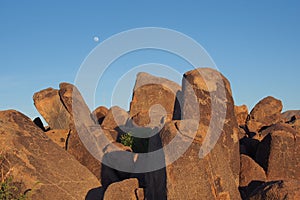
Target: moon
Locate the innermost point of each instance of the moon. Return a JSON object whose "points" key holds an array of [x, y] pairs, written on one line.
{"points": [[96, 39]]}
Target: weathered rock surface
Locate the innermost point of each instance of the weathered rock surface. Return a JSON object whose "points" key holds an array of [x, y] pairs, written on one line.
{"points": [[49, 105], [127, 189], [153, 98], [100, 113], [216, 175], [83, 124], [287, 115], [36, 161], [241, 114], [66, 109], [279, 153], [114, 118], [250, 171], [265, 113], [59, 136]]}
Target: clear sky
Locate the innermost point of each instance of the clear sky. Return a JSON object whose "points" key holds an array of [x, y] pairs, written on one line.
{"points": [[255, 44]]}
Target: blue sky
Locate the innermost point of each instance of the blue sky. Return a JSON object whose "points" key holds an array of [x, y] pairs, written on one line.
{"points": [[255, 44]]}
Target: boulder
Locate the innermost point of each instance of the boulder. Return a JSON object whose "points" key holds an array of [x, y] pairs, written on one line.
{"points": [[49, 105], [115, 118], [82, 123], [241, 114], [35, 162], [250, 171], [153, 99], [59, 136], [100, 113], [210, 174], [127, 189], [265, 113], [279, 153], [287, 115]]}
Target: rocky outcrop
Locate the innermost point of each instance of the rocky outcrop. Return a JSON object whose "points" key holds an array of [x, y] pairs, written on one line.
{"points": [[215, 175], [100, 113], [127, 189], [66, 109], [241, 113], [278, 153], [265, 113], [153, 99], [250, 171], [49, 105], [37, 163]]}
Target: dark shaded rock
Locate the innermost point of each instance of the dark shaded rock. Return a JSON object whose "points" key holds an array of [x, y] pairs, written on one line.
{"points": [[250, 171], [49, 105], [241, 113], [279, 153], [122, 190], [100, 113], [248, 146], [270, 191], [37, 121], [265, 113], [153, 99], [38, 163]]}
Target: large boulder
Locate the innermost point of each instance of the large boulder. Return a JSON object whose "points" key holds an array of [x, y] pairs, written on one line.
{"points": [[210, 174], [279, 153], [265, 113], [241, 113], [49, 105], [67, 105], [36, 162], [250, 171], [153, 98], [83, 124]]}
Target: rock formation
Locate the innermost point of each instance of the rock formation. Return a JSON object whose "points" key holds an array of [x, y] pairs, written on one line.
{"points": [[37, 164], [265, 113], [210, 148], [153, 98]]}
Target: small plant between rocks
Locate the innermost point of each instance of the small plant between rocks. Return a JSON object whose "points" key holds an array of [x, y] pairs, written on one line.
{"points": [[138, 145]]}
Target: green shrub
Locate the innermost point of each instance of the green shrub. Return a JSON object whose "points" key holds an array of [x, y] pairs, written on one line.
{"points": [[127, 140], [8, 191], [138, 145]]}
